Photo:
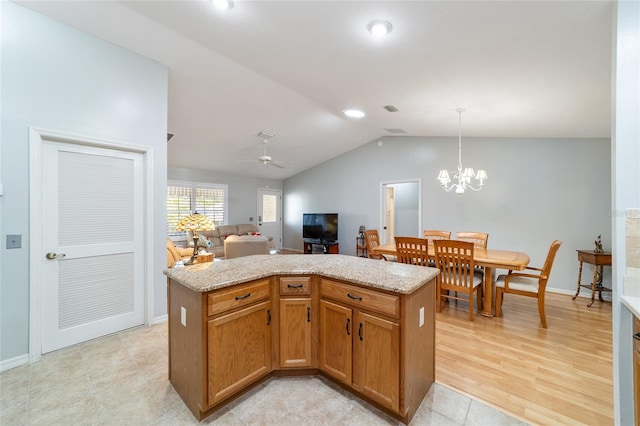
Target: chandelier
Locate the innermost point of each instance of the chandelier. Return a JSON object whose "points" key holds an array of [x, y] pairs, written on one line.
{"points": [[462, 177]]}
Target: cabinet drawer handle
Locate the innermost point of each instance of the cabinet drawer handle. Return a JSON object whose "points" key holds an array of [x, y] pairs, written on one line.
{"points": [[348, 321], [268, 316], [360, 331], [354, 297], [636, 336], [294, 286], [308, 314], [243, 297]]}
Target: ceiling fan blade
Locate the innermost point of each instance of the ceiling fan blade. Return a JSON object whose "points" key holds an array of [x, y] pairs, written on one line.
{"points": [[273, 163]]}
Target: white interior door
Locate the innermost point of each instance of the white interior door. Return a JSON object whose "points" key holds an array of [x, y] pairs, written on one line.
{"points": [[390, 218], [93, 238], [270, 215]]}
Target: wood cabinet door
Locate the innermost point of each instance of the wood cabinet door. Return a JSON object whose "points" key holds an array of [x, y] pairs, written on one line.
{"points": [[377, 359], [239, 350], [336, 330], [295, 332]]}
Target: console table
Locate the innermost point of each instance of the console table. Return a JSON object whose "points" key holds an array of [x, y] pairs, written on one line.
{"points": [[599, 261], [319, 247]]}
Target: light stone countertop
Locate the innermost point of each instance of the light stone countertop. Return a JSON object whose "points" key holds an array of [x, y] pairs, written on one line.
{"points": [[390, 276]]}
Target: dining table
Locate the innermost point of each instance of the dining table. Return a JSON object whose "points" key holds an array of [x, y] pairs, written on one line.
{"points": [[489, 259]]}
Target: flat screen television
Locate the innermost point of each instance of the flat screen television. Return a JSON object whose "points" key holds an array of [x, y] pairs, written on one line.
{"points": [[322, 227]]}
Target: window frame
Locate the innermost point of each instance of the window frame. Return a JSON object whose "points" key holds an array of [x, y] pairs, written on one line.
{"points": [[181, 235]]}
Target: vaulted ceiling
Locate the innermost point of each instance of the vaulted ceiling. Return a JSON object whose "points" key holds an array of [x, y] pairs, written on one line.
{"points": [[520, 69]]}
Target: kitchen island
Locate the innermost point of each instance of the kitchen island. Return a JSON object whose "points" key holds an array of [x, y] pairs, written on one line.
{"points": [[367, 325]]}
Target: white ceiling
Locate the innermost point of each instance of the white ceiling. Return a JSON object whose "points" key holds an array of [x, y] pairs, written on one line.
{"points": [[519, 68]]}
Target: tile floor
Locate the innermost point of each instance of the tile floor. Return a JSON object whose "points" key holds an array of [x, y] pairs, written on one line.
{"points": [[122, 380]]}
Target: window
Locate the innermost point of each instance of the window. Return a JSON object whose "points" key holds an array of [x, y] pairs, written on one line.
{"points": [[184, 198]]}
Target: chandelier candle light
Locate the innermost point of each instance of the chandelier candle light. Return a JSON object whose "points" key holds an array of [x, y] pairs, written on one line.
{"points": [[195, 222], [463, 176]]}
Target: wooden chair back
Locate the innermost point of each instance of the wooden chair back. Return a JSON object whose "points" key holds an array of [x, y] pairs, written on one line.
{"points": [[431, 235], [479, 239], [454, 258], [412, 250], [548, 263], [372, 240]]}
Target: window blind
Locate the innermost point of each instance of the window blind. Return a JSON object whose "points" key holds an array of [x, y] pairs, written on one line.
{"points": [[186, 198]]}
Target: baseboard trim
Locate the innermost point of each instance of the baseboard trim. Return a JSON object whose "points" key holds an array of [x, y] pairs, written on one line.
{"points": [[10, 363], [160, 319], [584, 293]]}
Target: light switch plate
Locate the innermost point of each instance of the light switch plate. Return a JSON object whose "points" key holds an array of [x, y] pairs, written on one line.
{"points": [[14, 241]]}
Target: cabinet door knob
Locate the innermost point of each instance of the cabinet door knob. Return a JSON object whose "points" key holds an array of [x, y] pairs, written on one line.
{"points": [[348, 321], [294, 286], [308, 314], [360, 331], [268, 316], [636, 336]]}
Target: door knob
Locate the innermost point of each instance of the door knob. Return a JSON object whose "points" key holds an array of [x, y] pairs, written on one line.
{"points": [[52, 255]]}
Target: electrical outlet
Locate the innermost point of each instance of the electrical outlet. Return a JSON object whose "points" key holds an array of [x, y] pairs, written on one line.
{"points": [[183, 316], [421, 320], [14, 241]]}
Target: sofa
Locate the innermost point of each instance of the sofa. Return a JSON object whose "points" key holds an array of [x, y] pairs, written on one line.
{"points": [[214, 240], [245, 245]]}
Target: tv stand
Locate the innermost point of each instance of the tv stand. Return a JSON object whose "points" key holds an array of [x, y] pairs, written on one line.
{"points": [[321, 247]]}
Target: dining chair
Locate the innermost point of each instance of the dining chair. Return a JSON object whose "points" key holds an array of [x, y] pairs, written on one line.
{"points": [[372, 240], [412, 250], [528, 284], [454, 258], [479, 239], [431, 235]]}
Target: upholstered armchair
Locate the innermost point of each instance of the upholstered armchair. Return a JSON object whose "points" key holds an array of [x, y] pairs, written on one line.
{"points": [[176, 253]]}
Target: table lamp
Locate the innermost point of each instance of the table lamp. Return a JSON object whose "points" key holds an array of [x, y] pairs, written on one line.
{"points": [[195, 222]]}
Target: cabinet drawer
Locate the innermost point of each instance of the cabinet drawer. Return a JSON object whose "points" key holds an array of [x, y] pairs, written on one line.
{"points": [[295, 285], [361, 297], [236, 296]]}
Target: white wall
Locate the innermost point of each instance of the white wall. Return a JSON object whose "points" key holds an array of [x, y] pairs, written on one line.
{"points": [[243, 191], [407, 201], [538, 190], [626, 191], [58, 78]]}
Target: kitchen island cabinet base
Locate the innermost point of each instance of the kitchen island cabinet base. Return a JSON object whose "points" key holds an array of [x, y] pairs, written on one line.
{"points": [[195, 375]]}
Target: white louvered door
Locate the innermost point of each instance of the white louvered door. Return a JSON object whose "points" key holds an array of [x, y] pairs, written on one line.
{"points": [[93, 234]]}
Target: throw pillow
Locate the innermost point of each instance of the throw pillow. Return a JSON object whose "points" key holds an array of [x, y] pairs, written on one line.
{"points": [[206, 242]]}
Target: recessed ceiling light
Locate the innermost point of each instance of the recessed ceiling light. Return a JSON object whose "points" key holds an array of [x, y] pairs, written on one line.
{"points": [[223, 4], [379, 28], [354, 113]]}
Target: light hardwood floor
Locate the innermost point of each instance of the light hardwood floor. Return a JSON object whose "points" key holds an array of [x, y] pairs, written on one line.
{"points": [[561, 375]]}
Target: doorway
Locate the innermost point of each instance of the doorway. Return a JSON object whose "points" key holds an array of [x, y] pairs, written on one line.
{"points": [[270, 215], [87, 239], [401, 209]]}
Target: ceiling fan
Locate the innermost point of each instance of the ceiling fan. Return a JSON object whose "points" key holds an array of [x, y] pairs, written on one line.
{"points": [[265, 158]]}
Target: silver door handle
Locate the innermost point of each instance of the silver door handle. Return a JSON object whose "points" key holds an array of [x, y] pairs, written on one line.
{"points": [[52, 255]]}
